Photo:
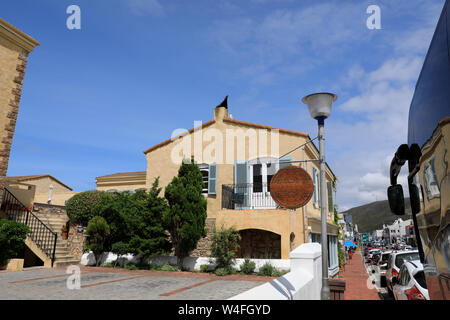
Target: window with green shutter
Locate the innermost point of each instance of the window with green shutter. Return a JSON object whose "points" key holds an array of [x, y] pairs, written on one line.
{"points": [[212, 179], [330, 196]]}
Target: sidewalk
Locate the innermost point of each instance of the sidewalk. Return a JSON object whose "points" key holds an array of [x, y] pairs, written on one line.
{"points": [[355, 277]]}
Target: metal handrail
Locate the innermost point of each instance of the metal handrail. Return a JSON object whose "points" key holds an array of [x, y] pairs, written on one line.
{"points": [[41, 234], [247, 196]]}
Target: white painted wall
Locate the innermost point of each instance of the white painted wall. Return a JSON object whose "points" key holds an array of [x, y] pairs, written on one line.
{"points": [[303, 282], [190, 263]]}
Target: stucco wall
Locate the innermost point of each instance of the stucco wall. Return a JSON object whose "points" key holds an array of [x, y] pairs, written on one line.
{"points": [[281, 222]]}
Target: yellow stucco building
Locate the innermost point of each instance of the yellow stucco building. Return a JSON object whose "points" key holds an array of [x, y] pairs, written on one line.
{"points": [[47, 189], [15, 47], [237, 160], [122, 181]]}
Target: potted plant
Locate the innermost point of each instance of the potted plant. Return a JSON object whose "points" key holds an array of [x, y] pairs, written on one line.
{"points": [[65, 230]]}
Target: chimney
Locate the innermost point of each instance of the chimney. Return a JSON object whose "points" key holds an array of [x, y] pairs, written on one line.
{"points": [[221, 111]]}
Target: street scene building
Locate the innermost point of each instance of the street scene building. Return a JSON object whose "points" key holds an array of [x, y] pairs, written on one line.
{"points": [[94, 197]]}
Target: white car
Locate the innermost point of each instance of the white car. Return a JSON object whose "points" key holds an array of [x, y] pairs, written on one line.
{"points": [[411, 283], [395, 262], [371, 253], [382, 265]]}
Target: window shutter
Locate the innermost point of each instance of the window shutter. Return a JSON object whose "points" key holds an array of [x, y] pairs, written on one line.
{"points": [[330, 197], [241, 172], [434, 185], [284, 161], [212, 178]]}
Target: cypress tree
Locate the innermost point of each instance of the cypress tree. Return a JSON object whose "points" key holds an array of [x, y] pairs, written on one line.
{"points": [[185, 220]]}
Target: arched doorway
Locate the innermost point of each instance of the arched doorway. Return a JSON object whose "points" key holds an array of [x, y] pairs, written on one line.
{"points": [[291, 241], [259, 244]]}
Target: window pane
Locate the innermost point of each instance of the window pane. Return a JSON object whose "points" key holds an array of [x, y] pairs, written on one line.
{"points": [[257, 178], [402, 258], [420, 278]]}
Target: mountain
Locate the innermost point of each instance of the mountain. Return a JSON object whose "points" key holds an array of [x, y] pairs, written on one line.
{"points": [[371, 216]]}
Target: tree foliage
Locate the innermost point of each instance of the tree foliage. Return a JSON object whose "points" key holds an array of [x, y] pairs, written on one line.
{"points": [[145, 223], [185, 219], [135, 222], [80, 208], [225, 243], [97, 231], [12, 237]]}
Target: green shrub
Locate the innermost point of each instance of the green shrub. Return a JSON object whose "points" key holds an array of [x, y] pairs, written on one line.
{"points": [[279, 273], [80, 207], [131, 266], [12, 237], [266, 270], [168, 267], [221, 272], [248, 267], [120, 248], [224, 271], [97, 231], [225, 243], [204, 268], [109, 265], [230, 270]]}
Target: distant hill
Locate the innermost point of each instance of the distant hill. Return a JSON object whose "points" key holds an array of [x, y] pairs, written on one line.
{"points": [[371, 216]]}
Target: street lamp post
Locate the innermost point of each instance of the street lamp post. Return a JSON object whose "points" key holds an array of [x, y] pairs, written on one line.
{"points": [[319, 105]]}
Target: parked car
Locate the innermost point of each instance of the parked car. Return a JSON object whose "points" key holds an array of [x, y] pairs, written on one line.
{"points": [[382, 265], [375, 258], [371, 253], [411, 283], [395, 262], [367, 249]]}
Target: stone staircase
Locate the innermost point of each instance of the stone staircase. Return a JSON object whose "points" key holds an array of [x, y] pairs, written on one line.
{"points": [[62, 252]]}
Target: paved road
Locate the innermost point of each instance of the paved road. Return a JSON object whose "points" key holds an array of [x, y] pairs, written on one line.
{"points": [[106, 283]]}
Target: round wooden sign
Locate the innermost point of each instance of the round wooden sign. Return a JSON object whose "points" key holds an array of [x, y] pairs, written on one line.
{"points": [[291, 187]]}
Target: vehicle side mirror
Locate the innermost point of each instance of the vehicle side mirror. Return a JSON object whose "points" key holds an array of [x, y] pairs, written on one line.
{"points": [[414, 198], [396, 199]]}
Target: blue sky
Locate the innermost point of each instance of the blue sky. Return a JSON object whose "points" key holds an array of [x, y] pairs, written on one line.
{"points": [[94, 99]]}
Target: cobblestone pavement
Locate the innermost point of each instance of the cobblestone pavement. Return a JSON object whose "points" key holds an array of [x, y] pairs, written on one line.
{"points": [[358, 282], [107, 283]]}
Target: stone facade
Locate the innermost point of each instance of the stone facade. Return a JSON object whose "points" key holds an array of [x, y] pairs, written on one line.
{"points": [[76, 240], [14, 49], [204, 245]]}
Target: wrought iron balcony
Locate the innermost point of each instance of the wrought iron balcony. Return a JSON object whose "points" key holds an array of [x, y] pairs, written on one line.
{"points": [[247, 196]]}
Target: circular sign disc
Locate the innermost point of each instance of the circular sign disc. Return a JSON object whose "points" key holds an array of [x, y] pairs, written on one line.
{"points": [[291, 187]]}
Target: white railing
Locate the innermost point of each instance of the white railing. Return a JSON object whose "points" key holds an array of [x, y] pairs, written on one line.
{"points": [[303, 282]]}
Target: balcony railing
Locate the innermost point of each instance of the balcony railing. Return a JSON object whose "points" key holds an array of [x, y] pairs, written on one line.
{"points": [[247, 196]]}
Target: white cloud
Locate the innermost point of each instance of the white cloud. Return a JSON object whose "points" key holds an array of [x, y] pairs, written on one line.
{"points": [[382, 106], [287, 41]]}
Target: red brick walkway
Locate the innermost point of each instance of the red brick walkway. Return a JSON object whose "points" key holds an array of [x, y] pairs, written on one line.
{"points": [[355, 277]]}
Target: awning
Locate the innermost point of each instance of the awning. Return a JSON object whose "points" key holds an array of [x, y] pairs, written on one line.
{"points": [[349, 243]]}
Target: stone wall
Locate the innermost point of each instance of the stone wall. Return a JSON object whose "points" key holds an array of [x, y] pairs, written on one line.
{"points": [[75, 240], [204, 245], [45, 209], [14, 49]]}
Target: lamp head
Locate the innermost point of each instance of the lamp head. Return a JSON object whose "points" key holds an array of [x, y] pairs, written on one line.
{"points": [[319, 104]]}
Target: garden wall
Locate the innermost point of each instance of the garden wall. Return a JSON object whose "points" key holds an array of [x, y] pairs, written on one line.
{"points": [[190, 263]]}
